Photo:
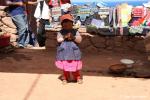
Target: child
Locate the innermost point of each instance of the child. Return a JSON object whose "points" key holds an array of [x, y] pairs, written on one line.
{"points": [[68, 56]]}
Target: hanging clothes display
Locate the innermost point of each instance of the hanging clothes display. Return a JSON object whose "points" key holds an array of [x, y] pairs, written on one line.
{"points": [[125, 14], [138, 11], [42, 12]]}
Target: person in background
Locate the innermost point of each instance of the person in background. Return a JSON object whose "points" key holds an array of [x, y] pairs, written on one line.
{"points": [[43, 16], [68, 57], [17, 10]]}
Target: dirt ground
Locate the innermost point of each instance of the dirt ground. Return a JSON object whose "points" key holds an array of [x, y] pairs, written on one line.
{"points": [[31, 75], [42, 61]]}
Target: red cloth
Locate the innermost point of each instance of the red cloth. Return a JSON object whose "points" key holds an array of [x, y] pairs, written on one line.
{"points": [[148, 24], [76, 75], [55, 3], [64, 1], [138, 12]]}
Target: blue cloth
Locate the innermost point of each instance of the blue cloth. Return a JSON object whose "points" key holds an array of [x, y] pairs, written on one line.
{"points": [[16, 10], [22, 27], [68, 50]]}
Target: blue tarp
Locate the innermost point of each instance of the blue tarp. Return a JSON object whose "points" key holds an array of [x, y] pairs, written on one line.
{"points": [[109, 3]]}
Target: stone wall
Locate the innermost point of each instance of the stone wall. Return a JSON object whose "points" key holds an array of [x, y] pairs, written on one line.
{"points": [[147, 45], [6, 24], [97, 43]]}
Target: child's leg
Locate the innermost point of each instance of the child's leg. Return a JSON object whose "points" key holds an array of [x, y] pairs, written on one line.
{"points": [[76, 75], [66, 75]]}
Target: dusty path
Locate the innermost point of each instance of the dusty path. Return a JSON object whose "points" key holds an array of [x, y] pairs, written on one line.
{"points": [[19, 86]]}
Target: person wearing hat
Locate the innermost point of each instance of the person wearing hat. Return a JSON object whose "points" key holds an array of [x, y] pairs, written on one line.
{"points": [[68, 57], [43, 16]]}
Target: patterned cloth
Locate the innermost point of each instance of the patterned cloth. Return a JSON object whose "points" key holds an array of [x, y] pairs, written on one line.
{"points": [[68, 51], [138, 12]]}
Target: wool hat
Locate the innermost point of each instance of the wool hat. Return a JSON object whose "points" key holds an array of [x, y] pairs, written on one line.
{"points": [[66, 17]]}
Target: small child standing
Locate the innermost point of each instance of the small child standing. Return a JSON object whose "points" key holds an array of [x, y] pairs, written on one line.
{"points": [[68, 56]]}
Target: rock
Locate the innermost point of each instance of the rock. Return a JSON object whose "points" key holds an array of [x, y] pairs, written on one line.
{"points": [[128, 45], [149, 57], [147, 46], [110, 43], [8, 22], [51, 43], [148, 35], [1, 24], [90, 49], [8, 29], [98, 41], [13, 37], [51, 35], [2, 14], [3, 7], [118, 41], [140, 46], [142, 75], [85, 42], [86, 34], [147, 43]]}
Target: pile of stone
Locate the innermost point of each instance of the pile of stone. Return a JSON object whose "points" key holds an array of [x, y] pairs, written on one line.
{"points": [[6, 23]]}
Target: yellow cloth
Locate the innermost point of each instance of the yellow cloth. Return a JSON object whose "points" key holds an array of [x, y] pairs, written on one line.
{"points": [[125, 15]]}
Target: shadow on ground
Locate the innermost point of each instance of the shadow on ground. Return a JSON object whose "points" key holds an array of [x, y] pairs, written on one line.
{"points": [[95, 64]]}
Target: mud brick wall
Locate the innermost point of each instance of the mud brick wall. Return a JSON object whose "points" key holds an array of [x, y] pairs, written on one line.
{"points": [[97, 43]]}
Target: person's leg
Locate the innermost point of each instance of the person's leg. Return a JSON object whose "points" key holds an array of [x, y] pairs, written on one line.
{"points": [[27, 32], [65, 78], [66, 75], [77, 76], [21, 24], [41, 35]]}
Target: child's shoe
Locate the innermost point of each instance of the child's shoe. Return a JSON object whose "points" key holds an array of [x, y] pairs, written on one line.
{"points": [[64, 82]]}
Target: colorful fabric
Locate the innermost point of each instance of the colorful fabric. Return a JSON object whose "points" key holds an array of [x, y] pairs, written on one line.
{"points": [[135, 30], [125, 15], [68, 51], [70, 65], [138, 12], [54, 3]]}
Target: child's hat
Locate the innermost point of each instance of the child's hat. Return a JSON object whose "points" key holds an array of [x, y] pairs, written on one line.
{"points": [[66, 16]]}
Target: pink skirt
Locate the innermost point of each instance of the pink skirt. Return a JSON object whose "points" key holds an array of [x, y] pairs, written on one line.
{"points": [[72, 65]]}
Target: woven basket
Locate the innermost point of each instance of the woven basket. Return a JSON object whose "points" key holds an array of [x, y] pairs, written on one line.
{"points": [[117, 68]]}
